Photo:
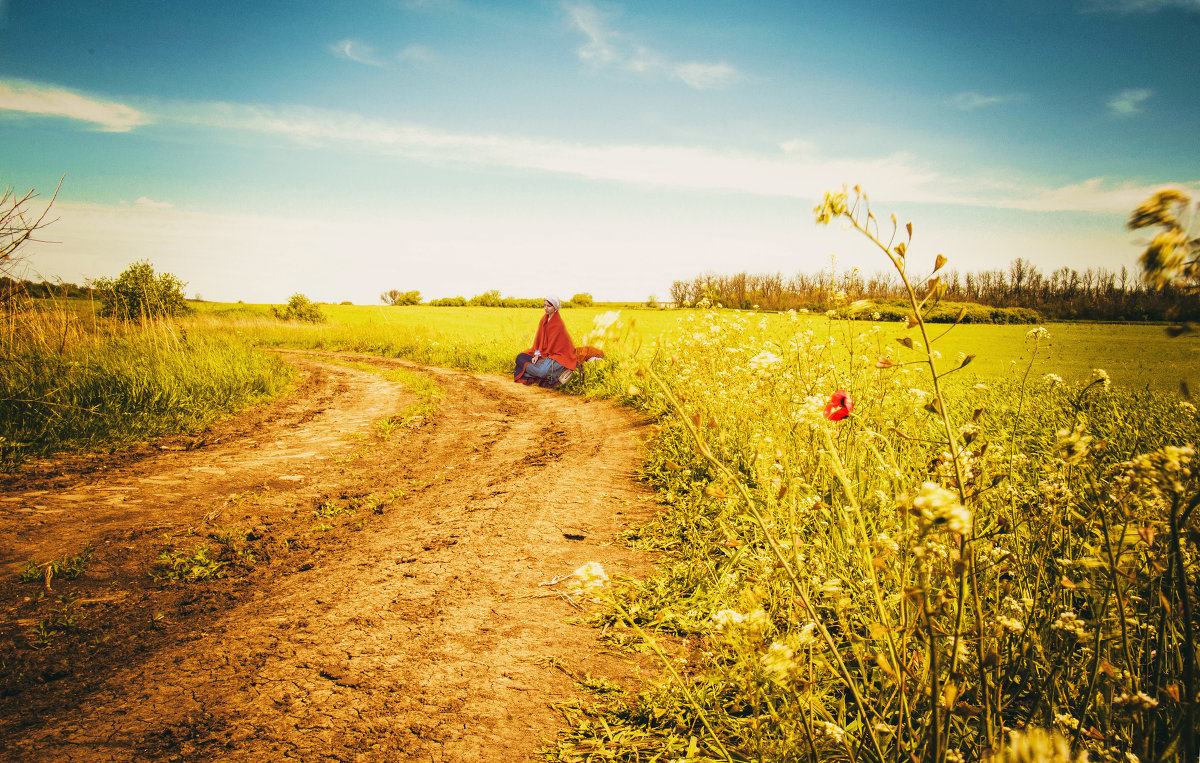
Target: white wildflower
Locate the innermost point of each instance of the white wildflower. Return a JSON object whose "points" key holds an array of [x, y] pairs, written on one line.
{"points": [[778, 661], [588, 580], [727, 619], [938, 507], [764, 360]]}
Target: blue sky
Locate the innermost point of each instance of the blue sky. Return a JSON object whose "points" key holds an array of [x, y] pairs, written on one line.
{"points": [[343, 148]]}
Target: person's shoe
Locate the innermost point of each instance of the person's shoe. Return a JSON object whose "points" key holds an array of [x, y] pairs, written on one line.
{"points": [[565, 377]]}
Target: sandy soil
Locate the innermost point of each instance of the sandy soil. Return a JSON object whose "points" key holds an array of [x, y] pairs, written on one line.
{"points": [[393, 609]]}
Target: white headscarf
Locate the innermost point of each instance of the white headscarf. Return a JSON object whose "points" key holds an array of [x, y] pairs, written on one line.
{"points": [[556, 302]]}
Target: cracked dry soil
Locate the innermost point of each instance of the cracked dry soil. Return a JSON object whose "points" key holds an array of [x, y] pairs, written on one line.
{"points": [[392, 608]]}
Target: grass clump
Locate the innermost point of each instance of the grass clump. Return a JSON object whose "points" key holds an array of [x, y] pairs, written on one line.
{"points": [[67, 567], [188, 565], [64, 619]]}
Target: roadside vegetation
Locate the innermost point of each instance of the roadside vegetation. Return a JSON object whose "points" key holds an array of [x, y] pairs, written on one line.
{"points": [[873, 556]]}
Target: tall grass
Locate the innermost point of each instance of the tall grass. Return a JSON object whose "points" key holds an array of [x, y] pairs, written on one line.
{"points": [[955, 570], [71, 380]]}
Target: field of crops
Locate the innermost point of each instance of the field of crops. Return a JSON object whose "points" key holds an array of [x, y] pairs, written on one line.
{"points": [[881, 542]]}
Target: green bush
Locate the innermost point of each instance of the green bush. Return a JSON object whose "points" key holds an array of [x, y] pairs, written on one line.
{"points": [[140, 293], [582, 300], [397, 297], [299, 308]]}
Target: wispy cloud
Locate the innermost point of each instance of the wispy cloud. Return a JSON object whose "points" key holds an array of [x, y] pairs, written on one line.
{"points": [[414, 54], [145, 202], [608, 47], [797, 170], [1129, 102], [48, 101], [970, 100], [1099, 195], [357, 51], [1138, 6]]}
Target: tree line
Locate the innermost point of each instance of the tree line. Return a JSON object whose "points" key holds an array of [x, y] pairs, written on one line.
{"points": [[1062, 294]]}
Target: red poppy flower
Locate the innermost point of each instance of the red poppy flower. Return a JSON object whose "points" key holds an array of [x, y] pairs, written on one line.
{"points": [[839, 406]]}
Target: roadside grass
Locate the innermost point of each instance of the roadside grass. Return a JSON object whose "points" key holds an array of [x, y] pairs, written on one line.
{"points": [[945, 566], [67, 567], [70, 380]]}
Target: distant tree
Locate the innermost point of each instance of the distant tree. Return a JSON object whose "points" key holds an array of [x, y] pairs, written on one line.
{"points": [[299, 308], [651, 301], [582, 300], [488, 299], [680, 293], [397, 297], [140, 293]]}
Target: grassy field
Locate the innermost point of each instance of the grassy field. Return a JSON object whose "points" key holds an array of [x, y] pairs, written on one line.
{"points": [[483, 338], [948, 557]]}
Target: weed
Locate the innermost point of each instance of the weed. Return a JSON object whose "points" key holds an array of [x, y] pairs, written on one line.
{"points": [[62, 620], [328, 510], [67, 567], [188, 565]]}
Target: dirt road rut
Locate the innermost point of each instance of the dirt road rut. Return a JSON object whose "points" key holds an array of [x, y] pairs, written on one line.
{"points": [[392, 610]]}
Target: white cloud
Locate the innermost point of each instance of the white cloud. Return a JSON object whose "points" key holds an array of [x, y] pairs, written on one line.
{"points": [[706, 76], [145, 202], [1129, 102], [608, 47], [355, 50], [415, 53], [970, 100], [1098, 195], [797, 170], [47, 101]]}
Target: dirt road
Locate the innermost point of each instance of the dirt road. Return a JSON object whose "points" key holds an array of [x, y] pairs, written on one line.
{"points": [[381, 596]]}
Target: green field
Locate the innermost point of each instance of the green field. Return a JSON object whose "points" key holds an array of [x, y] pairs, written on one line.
{"points": [[485, 338]]}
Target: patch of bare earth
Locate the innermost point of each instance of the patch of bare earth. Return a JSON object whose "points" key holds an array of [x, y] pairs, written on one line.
{"points": [[381, 598]]}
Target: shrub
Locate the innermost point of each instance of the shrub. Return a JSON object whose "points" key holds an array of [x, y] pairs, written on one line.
{"points": [[449, 302], [140, 293], [582, 300], [397, 297], [299, 308]]}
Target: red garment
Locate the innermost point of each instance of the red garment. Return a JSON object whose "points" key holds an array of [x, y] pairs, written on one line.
{"points": [[586, 353], [553, 341]]}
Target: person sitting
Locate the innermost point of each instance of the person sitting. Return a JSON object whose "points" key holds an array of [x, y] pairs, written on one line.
{"points": [[551, 361]]}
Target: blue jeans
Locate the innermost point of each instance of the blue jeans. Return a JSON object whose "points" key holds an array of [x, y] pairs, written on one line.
{"points": [[546, 368]]}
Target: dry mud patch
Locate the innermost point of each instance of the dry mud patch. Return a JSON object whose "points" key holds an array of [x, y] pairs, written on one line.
{"points": [[381, 598]]}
